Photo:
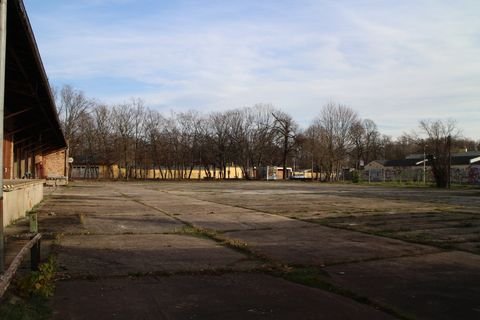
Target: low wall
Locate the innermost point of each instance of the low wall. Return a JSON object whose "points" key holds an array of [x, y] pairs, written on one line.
{"points": [[20, 196]]}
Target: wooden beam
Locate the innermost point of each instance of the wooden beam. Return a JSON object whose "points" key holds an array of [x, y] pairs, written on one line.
{"points": [[13, 114], [23, 139], [19, 91], [34, 86], [23, 128]]}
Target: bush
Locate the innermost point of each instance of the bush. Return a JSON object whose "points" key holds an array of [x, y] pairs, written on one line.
{"points": [[41, 282]]}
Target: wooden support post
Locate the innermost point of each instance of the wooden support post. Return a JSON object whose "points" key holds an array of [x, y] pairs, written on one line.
{"points": [[3, 47], [33, 217], [35, 256]]}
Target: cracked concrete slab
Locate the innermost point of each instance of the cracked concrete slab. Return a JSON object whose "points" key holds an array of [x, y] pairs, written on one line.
{"points": [[229, 296], [108, 255], [127, 245], [136, 224], [324, 246], [442, 285], [208, 215]]}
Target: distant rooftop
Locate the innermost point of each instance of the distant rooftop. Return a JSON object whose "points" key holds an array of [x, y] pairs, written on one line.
{"points": [[459, 154]]}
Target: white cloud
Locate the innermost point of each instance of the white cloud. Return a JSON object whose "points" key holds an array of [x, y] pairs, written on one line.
{"points": [[395, 64]]}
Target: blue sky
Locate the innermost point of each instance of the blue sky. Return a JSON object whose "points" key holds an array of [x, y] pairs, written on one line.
{"points": [[395, 62]]}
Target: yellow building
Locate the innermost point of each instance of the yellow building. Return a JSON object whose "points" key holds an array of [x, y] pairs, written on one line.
{"points": [[80, 171]]}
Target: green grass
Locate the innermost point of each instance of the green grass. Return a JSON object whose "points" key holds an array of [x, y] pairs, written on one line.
{"points": [[309, 276], [234, 244], [28, 295], [33, 308]]}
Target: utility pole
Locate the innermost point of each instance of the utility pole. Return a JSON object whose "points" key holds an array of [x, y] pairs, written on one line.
{"points": [[424, 164], [449, 146], [3, 49]]}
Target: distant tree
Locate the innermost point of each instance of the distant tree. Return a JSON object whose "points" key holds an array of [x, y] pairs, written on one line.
{"points": [[335, 125], [286, 130], [358, 134], [71, 105], [261, 137], [102, 118], [314, 146], [400, 147], [438, 142], [366, 142], [135, 137], [124, 127], [87, 148], [137, 109], [188, 125], [463, 144], [240, 128], [220, 137], [372, 141], [154, 124]]}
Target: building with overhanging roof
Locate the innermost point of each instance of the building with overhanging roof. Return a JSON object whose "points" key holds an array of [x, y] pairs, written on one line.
{"points": [[32, 129], [34, 145]]}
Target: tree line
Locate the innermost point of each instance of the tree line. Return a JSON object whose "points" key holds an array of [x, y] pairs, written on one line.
{"points": [[139, 138]]}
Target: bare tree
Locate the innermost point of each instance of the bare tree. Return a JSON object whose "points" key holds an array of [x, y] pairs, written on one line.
{"points": [[219, 123], [138, 120], [439, 135], [137, 138], [358, 139], [123, 127], [102, 118], [260, 136], [366, 141], [372, 140], [286, 130], [154, 124], [88, 146], [71, 106], [336, 122], [188, 124]]}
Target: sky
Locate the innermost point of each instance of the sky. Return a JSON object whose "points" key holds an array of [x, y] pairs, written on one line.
{"points": [[395, 62]]}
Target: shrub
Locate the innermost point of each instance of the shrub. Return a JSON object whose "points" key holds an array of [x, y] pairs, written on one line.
{"points": [[39, 282]]}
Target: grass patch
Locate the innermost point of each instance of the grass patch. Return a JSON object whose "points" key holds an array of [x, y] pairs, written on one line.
{"points": [[237, 245], [28, 297], [309, 276], [33, 308], [197, 232], [39, 283]]}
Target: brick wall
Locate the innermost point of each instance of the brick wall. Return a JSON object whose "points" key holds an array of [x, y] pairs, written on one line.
{"points": [[54, 164], [8, 157]]}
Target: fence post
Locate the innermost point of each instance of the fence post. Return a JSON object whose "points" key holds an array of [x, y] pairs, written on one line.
{"points": [[35, 250], [33, 218], [35, 255]]}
